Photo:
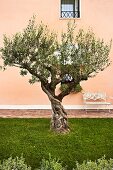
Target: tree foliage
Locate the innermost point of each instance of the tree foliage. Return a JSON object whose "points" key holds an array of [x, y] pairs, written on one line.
{"points": [[36, 50]]}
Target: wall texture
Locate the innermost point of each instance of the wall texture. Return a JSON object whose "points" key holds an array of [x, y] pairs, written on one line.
{"points": [[14, 16]]}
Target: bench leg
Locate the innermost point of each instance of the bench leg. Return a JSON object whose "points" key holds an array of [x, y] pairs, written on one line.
{"points": [[109, 109]]}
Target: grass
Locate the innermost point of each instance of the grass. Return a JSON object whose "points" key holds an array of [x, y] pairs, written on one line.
{"points": [[88, 139]]}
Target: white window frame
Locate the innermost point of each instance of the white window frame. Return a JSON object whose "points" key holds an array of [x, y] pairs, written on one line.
{"points": [[70, 17]]}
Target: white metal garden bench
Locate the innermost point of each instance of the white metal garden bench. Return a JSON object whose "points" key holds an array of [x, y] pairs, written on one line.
{"points": [[97, 100]]}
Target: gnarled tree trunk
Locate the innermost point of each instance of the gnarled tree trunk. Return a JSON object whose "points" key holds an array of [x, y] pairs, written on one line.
{"points": [[59, 117]]}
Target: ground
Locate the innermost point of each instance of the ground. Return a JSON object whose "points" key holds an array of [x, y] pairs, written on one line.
{"points": [[47, 113]]}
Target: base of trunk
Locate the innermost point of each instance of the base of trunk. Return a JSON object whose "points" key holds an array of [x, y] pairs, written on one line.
{"points": [[59, 125], [59, 118]]}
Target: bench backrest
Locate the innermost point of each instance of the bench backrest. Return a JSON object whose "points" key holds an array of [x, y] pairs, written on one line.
{"points": [[94, 96]]}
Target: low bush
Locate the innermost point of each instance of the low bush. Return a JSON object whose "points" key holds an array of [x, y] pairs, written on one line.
{"points": [[100, 164], [14, 164], [54, 164], [51, 164]]}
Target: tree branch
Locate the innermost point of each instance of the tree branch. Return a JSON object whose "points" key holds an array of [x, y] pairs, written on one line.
{"points": [[54, 80], [34, 73], [15, 65], [51, 97], [67, 91], [31, 71]]}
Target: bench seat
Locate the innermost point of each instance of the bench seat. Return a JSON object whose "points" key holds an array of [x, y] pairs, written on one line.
{"points": [[97, 98], [98, 103]]}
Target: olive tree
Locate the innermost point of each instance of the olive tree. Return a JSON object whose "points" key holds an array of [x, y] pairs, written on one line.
{"points": [[68, 61]]}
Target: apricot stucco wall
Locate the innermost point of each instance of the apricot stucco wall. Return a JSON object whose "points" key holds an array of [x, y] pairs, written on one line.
{"points": [[14, 16]]}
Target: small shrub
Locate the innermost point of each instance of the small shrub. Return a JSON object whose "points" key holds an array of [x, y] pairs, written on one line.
{"points": [[14, 164], [51, 164], [100, 164], [63, 87], [75, 89]]}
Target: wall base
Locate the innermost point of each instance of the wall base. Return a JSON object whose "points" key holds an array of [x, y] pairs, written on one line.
{"points": [[45, 107]]}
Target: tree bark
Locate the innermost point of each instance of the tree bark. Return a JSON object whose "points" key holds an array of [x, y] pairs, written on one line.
{"points": [[59, 116]]}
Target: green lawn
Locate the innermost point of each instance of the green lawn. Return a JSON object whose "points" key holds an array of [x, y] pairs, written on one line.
{"points": [[88, 139]]}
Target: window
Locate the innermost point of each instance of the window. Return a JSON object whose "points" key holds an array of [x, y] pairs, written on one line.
{"points": [[70, 9]]}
